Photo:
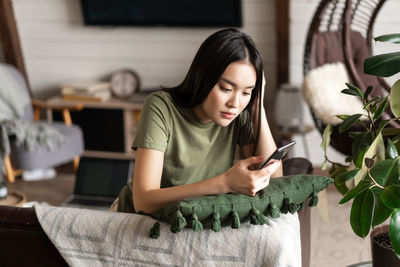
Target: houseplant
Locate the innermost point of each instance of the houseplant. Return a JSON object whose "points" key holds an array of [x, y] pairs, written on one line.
{"points": [[371, 175]]}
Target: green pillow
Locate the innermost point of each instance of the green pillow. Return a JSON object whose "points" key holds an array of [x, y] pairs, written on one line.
{"points": [[282, 195]]}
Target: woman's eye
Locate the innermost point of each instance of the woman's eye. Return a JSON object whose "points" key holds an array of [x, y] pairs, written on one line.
{"points": [[225, 89], [246, 93]]}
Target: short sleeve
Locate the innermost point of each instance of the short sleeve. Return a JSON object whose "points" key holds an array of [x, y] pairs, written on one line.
{"points": [[152, 130], [246, 131]]}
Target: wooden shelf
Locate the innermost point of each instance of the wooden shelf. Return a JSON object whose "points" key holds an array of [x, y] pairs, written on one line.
{"points": [[130, 108], [109, 155]]}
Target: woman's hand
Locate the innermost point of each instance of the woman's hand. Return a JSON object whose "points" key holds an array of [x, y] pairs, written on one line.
{"points": [[240, 179]]}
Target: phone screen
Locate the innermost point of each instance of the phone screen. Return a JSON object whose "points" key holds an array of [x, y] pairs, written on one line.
{"points": [[279, 153]]}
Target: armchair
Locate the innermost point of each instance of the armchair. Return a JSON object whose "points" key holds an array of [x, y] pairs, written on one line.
{"points": [[17, 104]]}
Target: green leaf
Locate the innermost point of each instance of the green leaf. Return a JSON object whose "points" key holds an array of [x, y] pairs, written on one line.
{"points": [[356, 89], [376, 151], [381, 212], [360, 156], [391, 196], [326, 137], [342, 188], [346, 176], [374, 106], [359, 146], [395, 98], [350, 121], [383, 124], [392, 38], [323, 166], [381, 108], [376, 98], [368, 91], [336, 169], [367, 211], [349, 92], [391, 150], [384, 65], [361, 213], [342, 117], [394, 230], [355, 214], [386, 172], [361, 187], [340, 179]]}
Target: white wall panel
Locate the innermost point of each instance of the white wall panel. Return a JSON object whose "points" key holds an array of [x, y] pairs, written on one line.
{"points": [[57, 47]]}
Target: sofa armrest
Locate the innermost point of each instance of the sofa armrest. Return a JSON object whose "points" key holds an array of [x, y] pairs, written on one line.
{"points": [[23, 241]]}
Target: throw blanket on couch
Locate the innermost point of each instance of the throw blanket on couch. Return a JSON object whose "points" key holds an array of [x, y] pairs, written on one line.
{"points": [[32, 135], [100, 238]]}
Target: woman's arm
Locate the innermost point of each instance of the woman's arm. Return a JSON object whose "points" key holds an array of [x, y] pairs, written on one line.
{"points": [[266, 145], [149, 197]]}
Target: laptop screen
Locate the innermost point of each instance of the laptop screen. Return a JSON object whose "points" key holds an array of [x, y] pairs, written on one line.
{"points": [[102, 177]]}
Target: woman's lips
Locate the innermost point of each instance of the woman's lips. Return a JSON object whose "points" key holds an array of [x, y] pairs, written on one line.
{"points": [[228, 115]]}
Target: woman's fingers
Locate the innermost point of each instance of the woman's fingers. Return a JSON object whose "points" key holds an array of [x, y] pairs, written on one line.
{"points": [[269, 169], [251, 161]]}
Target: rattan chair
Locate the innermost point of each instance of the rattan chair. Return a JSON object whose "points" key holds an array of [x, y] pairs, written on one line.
{"points": [[342, 31]]}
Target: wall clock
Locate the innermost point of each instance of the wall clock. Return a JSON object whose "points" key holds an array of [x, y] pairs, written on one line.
{"points": [[124, 83]]}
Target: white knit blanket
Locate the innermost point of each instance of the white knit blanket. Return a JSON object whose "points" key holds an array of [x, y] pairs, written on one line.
{"points": [[103, 238]]}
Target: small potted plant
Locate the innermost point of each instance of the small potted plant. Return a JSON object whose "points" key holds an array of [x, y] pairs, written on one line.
{"points": [[371, 179]]}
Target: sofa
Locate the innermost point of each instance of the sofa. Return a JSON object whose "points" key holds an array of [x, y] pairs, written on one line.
{"points": [[24, 243]]}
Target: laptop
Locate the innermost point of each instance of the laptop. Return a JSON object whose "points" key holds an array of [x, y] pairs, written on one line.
{"points": [[98, 182]]}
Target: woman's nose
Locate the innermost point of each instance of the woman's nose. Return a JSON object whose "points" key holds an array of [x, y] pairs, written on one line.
{"points": [[234, 101]]}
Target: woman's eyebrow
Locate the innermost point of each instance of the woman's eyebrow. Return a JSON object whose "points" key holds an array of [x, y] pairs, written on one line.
{"points": [[234, 84]]}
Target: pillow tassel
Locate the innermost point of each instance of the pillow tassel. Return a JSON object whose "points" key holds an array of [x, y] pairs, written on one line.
{"points": [[178, 223], [293, 207], [216, 223], [196, 224], [236, 219], [155, 231], [274, 210], [257, 217], [314, 199], [285, 206]]}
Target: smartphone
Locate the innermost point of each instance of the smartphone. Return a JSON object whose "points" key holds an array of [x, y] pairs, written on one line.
{"points": [[279, 153]]}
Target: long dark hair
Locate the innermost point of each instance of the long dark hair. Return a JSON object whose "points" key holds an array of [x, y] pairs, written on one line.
{"points": [[214, 55]]}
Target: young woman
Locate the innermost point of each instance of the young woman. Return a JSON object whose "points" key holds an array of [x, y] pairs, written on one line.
{"points": [[188, 135]]}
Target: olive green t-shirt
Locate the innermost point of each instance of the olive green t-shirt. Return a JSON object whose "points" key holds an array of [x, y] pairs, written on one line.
{"points": [[193, 150]]}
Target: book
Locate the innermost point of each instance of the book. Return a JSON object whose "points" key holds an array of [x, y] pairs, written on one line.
{"points": [[98, 96], [84, 86]]}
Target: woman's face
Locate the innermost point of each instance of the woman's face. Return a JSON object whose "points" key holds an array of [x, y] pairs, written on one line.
{"points": [[230, 95]]}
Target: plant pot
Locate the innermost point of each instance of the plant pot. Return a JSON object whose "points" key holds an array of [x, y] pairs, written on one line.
{"points": [[382, 255]]}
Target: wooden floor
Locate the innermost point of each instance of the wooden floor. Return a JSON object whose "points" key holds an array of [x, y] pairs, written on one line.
{"points": [[333, 243], [52, 191]]}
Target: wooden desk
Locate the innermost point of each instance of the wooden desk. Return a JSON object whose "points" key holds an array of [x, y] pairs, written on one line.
{"points": [[131, 111]]}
